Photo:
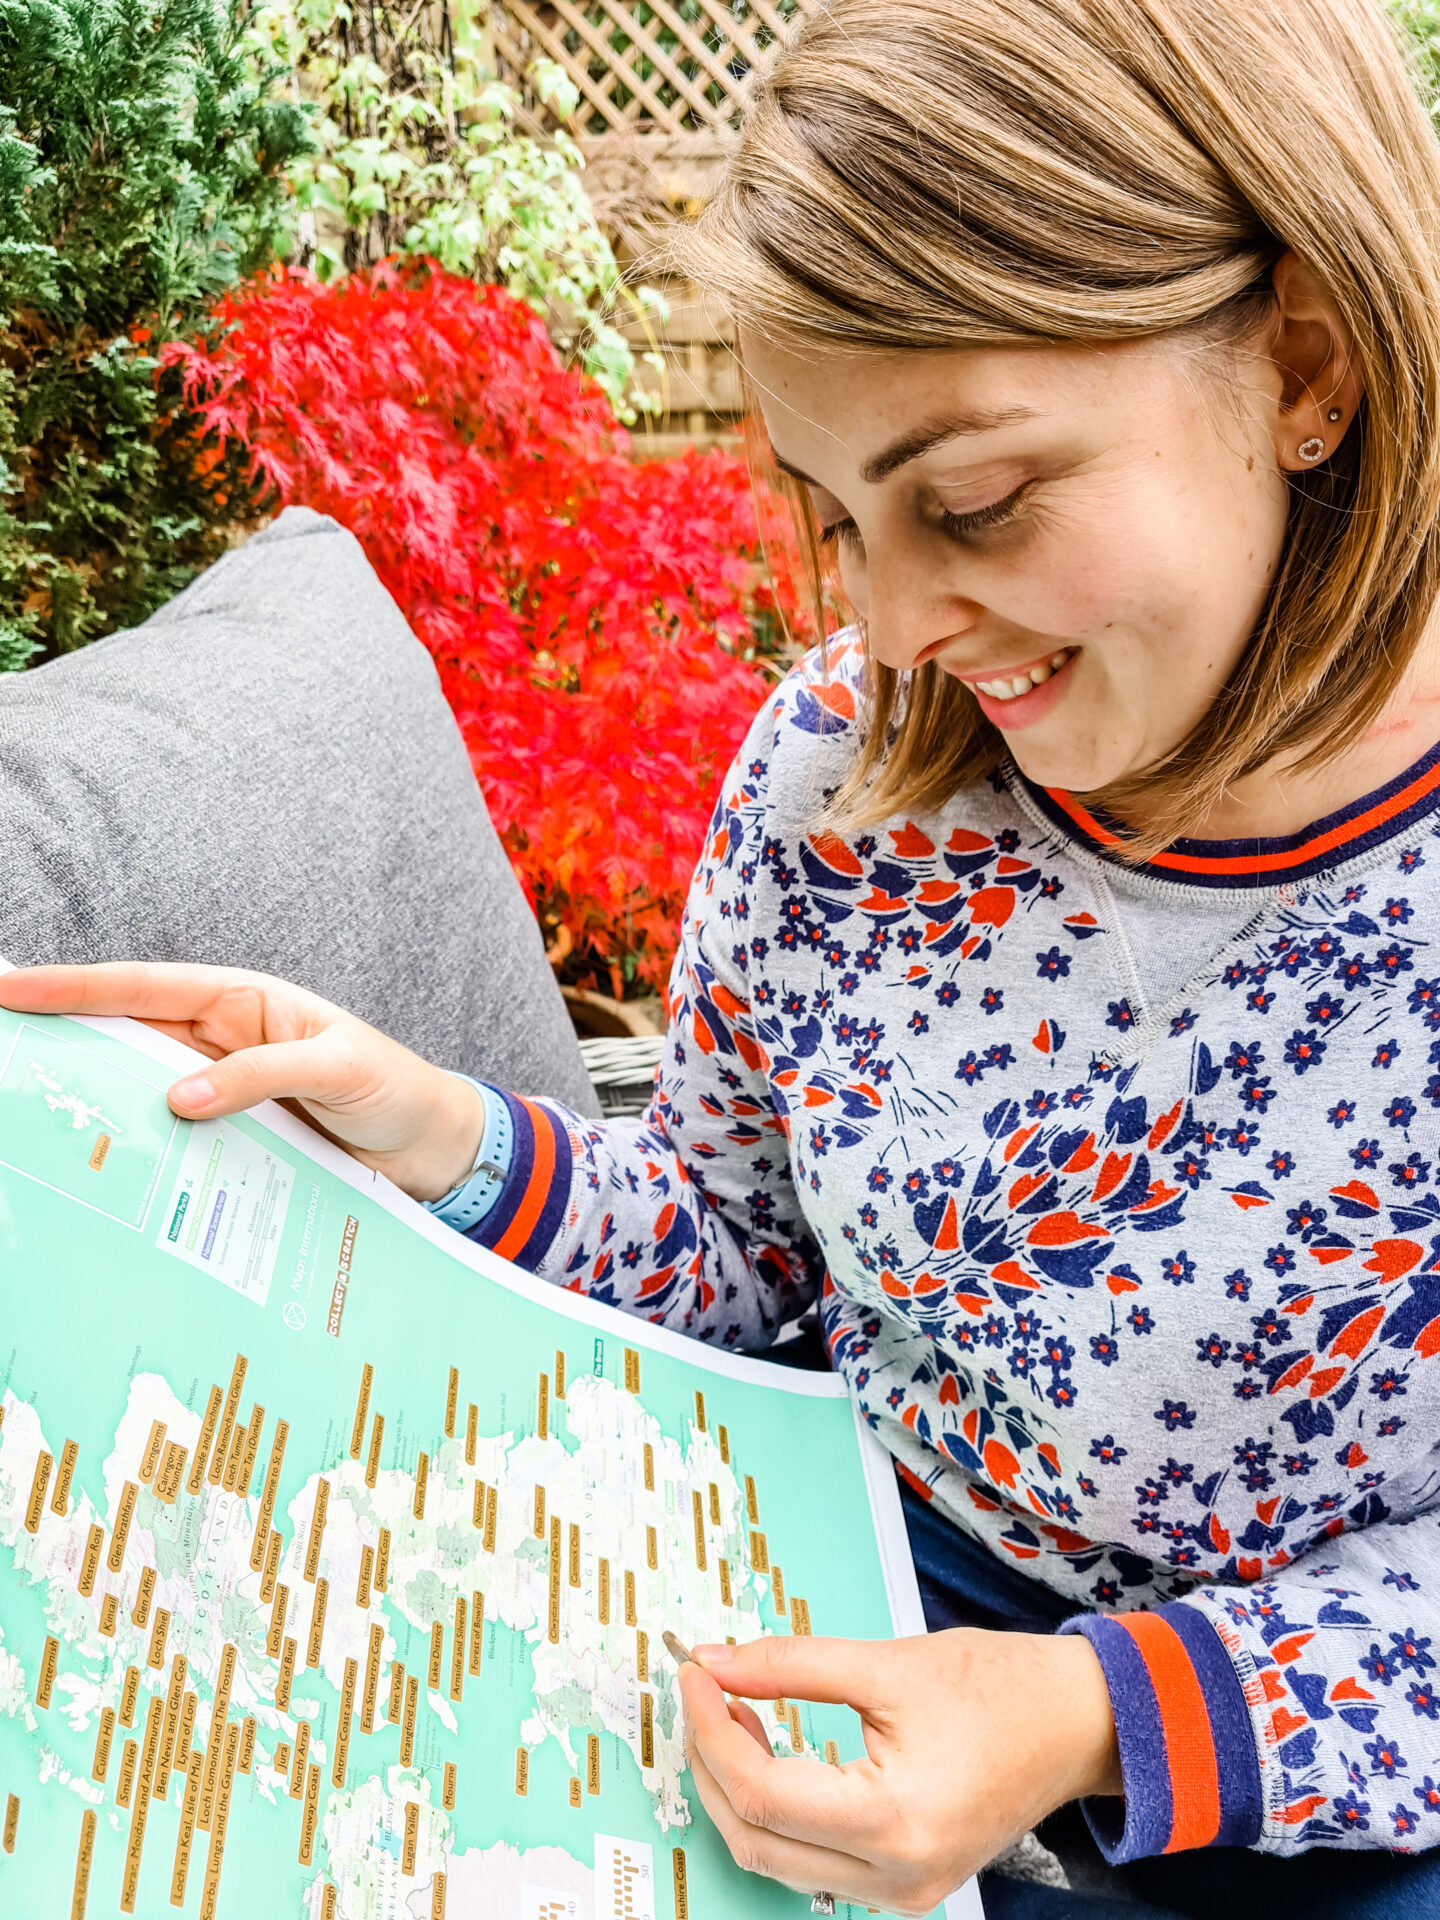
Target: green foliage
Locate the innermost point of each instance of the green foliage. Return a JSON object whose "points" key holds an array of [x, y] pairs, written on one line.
{"points": [[1421, 21], [417, 152], [141, 154]]}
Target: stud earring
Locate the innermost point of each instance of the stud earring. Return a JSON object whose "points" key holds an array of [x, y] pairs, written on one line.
{"points": [[1333, 415], [1311, 449]]}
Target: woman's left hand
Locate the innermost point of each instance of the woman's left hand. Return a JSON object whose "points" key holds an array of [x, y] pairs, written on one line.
{"points": [[970, 1738]]}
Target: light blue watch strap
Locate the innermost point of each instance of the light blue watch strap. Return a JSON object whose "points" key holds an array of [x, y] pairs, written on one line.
{"points": [[467, 1204]]}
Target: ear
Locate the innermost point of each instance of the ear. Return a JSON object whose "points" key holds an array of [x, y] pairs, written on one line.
{"points": [[1315, 354]]}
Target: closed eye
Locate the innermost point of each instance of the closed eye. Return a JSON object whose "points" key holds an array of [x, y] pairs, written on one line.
{"points": [[959, 526]]}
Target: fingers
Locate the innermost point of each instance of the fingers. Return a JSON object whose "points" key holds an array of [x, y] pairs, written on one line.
{"points": [[795, 1863], [799, 1799], [842, 1672], [747, 1718], [144, 990]]}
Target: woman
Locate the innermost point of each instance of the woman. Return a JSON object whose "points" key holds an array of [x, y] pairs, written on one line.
{"points": [[1056, 995]]}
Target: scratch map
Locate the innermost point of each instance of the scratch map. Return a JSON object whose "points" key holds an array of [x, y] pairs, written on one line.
{"points": [[335, 1554]]}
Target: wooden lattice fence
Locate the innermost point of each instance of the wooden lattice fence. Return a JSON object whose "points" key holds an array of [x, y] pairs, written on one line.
{"points": [[662, 84]]}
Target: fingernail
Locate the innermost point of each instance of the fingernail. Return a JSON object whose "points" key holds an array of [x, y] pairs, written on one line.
{"points": [[195, 1093], [714, 1656]]}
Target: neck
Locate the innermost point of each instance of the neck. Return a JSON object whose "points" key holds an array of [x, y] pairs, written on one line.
{"points": [[1281, 798]]}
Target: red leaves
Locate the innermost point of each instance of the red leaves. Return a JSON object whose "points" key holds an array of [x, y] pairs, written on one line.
{"points": [[575, 602]]}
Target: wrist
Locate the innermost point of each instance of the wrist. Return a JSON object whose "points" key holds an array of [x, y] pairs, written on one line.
{"points": [[1087, 1747], [454, 1141]]}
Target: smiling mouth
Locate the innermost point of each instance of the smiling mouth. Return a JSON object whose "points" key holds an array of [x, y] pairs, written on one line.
{"points": [[1015, 686]]}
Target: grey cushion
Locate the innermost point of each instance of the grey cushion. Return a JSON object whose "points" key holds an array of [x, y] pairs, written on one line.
{"points": [[266, 775]]}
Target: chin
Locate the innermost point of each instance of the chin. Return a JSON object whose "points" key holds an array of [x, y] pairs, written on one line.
{"points": [[1060, 766]]}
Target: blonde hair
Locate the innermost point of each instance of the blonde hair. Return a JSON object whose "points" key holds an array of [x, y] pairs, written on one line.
{"points": [[934, 174]]}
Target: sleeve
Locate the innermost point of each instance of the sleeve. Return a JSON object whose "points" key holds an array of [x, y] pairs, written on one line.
{"points": [[1303, 1711], [688, 1216]]}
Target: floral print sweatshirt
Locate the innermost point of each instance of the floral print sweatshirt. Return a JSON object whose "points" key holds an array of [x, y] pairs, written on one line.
{"points": [[1119, 1192]]}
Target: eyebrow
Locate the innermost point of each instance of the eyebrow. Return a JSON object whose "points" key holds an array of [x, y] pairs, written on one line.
{"points": [[922, 440]]}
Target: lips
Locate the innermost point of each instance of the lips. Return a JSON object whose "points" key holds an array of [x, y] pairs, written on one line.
{"points": [[1042, 685], [1015, 686]]}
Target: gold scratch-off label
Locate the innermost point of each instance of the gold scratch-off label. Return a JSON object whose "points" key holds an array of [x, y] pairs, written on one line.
{"points": [[281, 1762], [652, 1549], [49, 1661], [447, 1790], [12, 1822], [159, 1634], [85, 1853], [682, 1892], [129, 1756], [724, 1438], [592, 1763], [554, 1569], [492, 1519], [341, 1759], [726, 1597], [522, 1771], [477, 1506], [185, 1840], [559, 1374], [759, 1553], [35, 1505], [109, 1616], [437, 1656], [247, 1745], [382, 1561], [130, 1493], [367, 1574], [317, 1530], [60, 1499], [797, 1738], [422, 1481], [215, 1745], [371, 1696], [174, 1695], [144, 1594], [477, 1629], [300, 1761], [252, 1449], [98, 1152], [362, 1407], [221, 1453], [777, 1590], [397, 1692], [647, 1729], [407, 1724], [329, 1901], [799, 1616], [832, 1754], [104, 1734], [715, 1519], [576, 1790], [272, 1567], [699, 1513], [630, 1614], [310, 1817], [539, 1513], [90, 1562], [317, 1623], [574, 1554], [437, 1897], [632, 1370], [752, 1505], [129, 1694], [185, 1738], [459, 1648], [700, 1411], [196, 1477], [452, 1402], [642, 1655], [150, 1458], [372, 1461], [170, 1474], [472, 1432], [279, 1609], [602, 1597], [269, 1493], [410, 1844], [286, 1677], [649, 1462]]}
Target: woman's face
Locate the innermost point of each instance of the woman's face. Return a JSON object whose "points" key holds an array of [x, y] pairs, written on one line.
{"points": [[1095, 526]]}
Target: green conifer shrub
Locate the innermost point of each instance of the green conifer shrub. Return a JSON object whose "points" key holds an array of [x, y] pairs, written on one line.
{"points": [[141, 151]]}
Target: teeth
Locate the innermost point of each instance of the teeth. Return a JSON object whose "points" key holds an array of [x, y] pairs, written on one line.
{"points": [[1023, 683]]}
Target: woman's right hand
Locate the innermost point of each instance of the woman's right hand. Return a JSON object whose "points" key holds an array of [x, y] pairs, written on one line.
{"points": [[413, 1122]]}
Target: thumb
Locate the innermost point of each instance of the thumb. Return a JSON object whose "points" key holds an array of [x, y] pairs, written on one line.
{"points": [[313, 1070], [841, 1672]]}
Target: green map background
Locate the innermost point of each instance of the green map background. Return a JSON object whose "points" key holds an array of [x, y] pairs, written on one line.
{"points": [[89, 1303]]}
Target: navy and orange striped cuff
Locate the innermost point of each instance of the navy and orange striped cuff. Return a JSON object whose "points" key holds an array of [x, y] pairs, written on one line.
{"points": [[531, 1206], [1187, 1751]]}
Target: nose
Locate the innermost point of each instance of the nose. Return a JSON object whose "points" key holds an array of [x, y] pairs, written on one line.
{"points": [[906, 621]]}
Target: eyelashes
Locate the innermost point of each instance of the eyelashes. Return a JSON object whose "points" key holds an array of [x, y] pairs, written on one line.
{"points": [[959, 526]]}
